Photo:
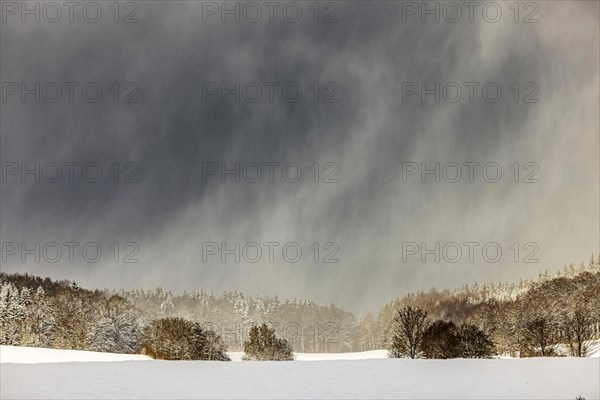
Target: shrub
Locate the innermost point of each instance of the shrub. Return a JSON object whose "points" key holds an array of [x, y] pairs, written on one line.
{"points": [[444, 339], [441, 340], [180, 339], [262, 344]]}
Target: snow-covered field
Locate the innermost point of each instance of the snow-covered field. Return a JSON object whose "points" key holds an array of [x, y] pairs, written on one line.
{"points": [[34, 355], [46, 373], [361, 355]]}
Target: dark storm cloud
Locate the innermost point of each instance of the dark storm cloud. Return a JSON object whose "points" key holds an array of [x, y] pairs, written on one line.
{"points": [[369, 133]]}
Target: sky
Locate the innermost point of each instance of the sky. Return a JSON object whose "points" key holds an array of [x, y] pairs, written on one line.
{"points": [[333, 119]]}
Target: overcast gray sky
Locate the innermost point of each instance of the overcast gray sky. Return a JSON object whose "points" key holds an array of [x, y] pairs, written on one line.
{"points": [[363, 61]]}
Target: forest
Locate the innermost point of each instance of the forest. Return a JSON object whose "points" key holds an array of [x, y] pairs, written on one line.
{"points": [[557, 314]]}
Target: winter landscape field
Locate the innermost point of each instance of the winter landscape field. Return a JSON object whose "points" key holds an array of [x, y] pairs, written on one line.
{"points": [[300, 199], [36, 374]]}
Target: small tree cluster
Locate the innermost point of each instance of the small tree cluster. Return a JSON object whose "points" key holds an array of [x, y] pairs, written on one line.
{"points": [[180, 339], [413, 337], [263, 345], [555, 315]]}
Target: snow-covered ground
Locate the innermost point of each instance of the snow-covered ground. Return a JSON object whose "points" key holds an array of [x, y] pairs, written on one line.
{"points": [[361, 355], [34, 355], [358, 375]]}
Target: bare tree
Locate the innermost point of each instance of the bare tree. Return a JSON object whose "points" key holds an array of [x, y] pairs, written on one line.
{"points": [[407, 332], [538, 336], [578, 330]]}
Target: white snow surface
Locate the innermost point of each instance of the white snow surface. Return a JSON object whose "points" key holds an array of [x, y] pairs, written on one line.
{"points": [[46, 373], [360, 355], [35, 355]]}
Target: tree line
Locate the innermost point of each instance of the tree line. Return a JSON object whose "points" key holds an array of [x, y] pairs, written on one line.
{"points": [[557, 314]]}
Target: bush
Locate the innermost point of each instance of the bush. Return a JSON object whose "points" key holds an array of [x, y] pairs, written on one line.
{"points": [[180, 339], [263, 345], [444, 339], [441, 340]]}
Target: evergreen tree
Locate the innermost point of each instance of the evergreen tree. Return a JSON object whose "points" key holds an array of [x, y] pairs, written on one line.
{"points": [[262, 344], [13, 310], [208, 345]]}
